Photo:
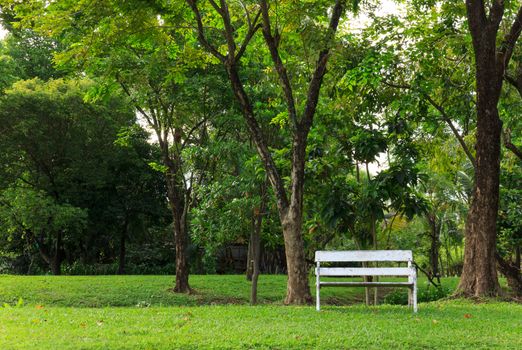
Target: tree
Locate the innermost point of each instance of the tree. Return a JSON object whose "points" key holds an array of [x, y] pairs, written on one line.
{"points": [[151, 63], [479, 275], [437, 72], [61, 148], [289, 202], [37, 218]]}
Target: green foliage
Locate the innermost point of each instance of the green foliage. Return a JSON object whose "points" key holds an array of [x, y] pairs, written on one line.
{"points": [[28, 211], [73, 172], [424, 295]]}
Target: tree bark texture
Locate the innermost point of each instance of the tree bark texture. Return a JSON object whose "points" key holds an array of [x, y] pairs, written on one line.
{"points": [[479, 275]]}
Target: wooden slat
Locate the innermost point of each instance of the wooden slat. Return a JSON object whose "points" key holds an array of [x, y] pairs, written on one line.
{"points": [[367, 284], [363, 255], [365, 271]]}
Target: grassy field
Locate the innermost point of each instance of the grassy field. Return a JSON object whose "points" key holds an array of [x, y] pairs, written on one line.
{"points": [[139, 312]]}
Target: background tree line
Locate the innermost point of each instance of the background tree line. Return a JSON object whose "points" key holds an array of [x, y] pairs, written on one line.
{"points": [[183, 127]]}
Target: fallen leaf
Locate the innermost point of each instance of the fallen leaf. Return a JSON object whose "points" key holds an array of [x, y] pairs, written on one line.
{"points": [[434, 321], [39, 307], [467, 315]]}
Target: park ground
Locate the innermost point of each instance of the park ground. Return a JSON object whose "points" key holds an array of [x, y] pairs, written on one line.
{"points": [[140, 312]]}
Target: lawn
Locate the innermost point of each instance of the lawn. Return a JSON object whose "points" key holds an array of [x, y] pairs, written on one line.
{"points": [[139, 312]]}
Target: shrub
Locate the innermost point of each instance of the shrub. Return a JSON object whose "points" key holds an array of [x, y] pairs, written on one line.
{"points": [[425, 293]]}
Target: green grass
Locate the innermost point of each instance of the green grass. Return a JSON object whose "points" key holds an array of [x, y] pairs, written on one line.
{"points": [[139, 312]]}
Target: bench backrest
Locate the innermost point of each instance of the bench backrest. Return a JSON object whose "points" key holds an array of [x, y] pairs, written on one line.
{"points": [[363, 255]]}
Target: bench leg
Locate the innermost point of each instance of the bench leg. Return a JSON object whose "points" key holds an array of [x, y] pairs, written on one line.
{"points": [[410, 296]]}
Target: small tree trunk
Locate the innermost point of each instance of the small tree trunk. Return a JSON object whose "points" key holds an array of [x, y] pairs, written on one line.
{"points": [[56, 261], [367, 299], [56, 264], [256, 249], [177, 204], [123, 237], [374, 238], [517, 257], [435, 245], [255, 241], [182, 271], [250, 256], [56, 267]]}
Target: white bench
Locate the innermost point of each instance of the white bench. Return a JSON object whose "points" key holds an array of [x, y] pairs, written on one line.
{"points": [[367, 256]]}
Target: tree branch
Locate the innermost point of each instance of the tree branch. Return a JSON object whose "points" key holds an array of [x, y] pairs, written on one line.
{"points": [[272, 43], [506, 135], [229, 31], [496, 13], [444, 116], [476, 15], [189, 134], [252, 29], [315, 84], [459, 137], [511, 38], [201, 32]]}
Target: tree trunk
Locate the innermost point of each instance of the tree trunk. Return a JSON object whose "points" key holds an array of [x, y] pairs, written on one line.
{"points": [[375, 246], [290, 214], [517, 256], [512, 273], [250, 257], [479, 273], [255, 240], [123, 237], [56, 266], [56, 260], [180, 241], [298, 290], [435, 246], [177, 204]]}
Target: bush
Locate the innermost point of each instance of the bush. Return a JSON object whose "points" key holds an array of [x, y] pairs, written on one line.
{"points": [[112, 269], [425, 293]]}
